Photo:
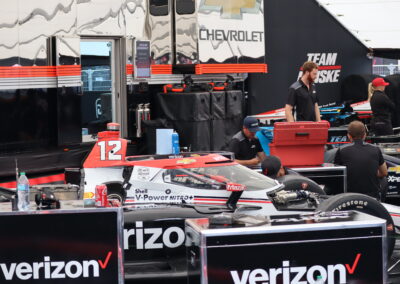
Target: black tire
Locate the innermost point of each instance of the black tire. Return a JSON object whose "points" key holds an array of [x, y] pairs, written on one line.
{"points": [[298, 182], [365, 204]]}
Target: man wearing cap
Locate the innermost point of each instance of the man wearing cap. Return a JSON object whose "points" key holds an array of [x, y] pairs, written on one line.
{"points": [[245, 145], [272, 167], [302, 97], [381, 106]]}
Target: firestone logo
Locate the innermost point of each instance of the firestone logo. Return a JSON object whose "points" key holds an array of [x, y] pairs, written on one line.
{"points": [[328, 71], [49, 269], [332, 274]]}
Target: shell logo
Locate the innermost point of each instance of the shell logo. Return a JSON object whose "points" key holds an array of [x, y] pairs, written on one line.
{"points": [[186, 161], [88, 195]]}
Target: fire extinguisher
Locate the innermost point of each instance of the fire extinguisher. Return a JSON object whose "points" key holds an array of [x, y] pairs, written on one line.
{"points": [[146, 111], [139, 118]]}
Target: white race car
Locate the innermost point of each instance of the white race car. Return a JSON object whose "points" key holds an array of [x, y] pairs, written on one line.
{"points": [[211, 179]]}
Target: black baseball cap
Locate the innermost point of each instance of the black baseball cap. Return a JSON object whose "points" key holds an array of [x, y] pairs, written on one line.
{"points": [[251, 123], [271, 166]]}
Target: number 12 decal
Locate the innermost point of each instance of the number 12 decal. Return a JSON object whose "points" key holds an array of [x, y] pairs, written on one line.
{"points": [[111, 154]]}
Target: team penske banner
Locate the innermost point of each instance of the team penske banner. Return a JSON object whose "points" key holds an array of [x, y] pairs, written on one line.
{"points": [[317, 37], [61, 247]]}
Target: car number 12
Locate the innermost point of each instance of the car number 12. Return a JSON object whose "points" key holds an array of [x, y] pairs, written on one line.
{"points": [[113, 149]]}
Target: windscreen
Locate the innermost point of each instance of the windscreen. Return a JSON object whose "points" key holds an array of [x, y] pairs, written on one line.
{"points": [[235, 174]]}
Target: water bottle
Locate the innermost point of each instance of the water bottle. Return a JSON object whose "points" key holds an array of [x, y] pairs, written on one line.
{"points": [[23, 192], [175, 143]]}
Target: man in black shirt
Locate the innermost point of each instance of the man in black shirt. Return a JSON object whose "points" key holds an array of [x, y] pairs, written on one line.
{"points": [[303, 97], [364, 162], [245, 145]]}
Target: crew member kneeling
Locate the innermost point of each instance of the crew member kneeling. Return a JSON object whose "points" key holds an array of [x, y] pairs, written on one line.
{"points": [[245, 145]]}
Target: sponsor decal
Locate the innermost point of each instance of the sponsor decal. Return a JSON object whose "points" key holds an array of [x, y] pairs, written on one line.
{"points": [[329, 71], [153, 238], [332, 273], [143, 173], [186, 161], [351, 203], [338, 139], [232, 9], [394, 169], [141, 191], [231, 35], [88, 195], [393, 178], [50, 269], [235, 187], [163, 198]]}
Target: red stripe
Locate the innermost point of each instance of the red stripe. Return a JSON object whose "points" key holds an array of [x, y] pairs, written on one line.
{"points": [[395, 215], [330, 143], [224, 200], [36, 181], [161, 69], [129, 69], [40, 71], [327, 67], [230, 68]]}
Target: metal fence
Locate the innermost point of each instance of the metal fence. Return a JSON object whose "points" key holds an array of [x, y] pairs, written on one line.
{"points": [[384, 70]]}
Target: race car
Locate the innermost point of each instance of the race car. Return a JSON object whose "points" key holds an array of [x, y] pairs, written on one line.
{"points": [[195, 178]]}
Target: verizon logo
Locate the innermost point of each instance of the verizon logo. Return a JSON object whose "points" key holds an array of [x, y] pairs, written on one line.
{"points": [[328, 71], [331, 274], [48, 269]]}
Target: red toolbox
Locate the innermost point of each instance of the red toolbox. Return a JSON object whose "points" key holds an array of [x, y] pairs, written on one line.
{"points": [[300, 143]]}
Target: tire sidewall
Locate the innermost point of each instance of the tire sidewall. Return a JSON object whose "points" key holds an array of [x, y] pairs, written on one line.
{"points": [[365, 204]]}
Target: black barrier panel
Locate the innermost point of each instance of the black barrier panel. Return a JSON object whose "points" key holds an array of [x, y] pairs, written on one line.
{"points": [[61, 247], [218, 108], [184, 106], [195, 135], [233, 126], [234, 104], [219, 137]]}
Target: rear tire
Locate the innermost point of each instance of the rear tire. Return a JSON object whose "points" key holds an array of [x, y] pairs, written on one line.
{"points": [[298, 182], [362, 203]]}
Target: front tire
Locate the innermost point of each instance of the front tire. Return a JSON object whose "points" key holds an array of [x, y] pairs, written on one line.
{"points": [[362, 203]]}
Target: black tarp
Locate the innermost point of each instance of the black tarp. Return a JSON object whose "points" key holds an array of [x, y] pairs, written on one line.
{"points": [[204, 121], [296, 31]]}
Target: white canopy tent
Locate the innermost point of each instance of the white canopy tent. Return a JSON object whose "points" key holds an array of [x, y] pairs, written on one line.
{"points": [[374, 22]]}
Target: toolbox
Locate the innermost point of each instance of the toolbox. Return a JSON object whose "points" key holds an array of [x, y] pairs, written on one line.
{"points": [[300, 143]]}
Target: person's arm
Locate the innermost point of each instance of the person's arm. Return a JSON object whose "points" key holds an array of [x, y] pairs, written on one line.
{"points": [[253, 162], [382, 170], [291, 102], [261, 156], [317, 113], [338, 159], [289, 113]]}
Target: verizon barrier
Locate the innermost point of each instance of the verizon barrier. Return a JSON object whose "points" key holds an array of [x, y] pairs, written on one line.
{"points": [[290, 249], [63, 246]]}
